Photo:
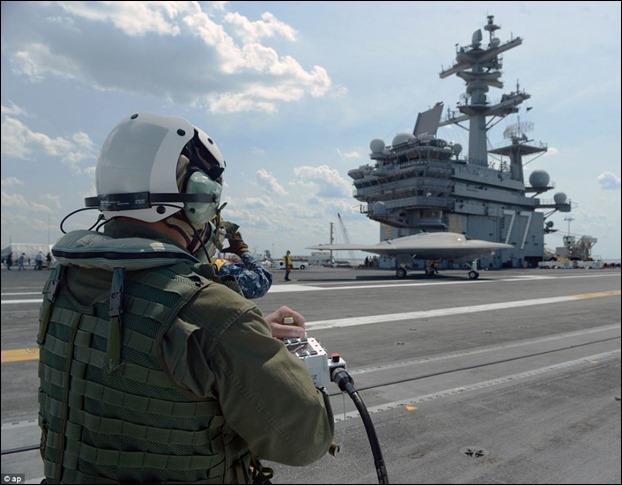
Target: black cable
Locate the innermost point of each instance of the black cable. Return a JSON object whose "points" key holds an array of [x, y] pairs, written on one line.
{"points": [[72, 213], [345, 382]]}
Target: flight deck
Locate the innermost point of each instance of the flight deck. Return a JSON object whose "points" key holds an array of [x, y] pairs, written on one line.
{"points": [[510, 378]]}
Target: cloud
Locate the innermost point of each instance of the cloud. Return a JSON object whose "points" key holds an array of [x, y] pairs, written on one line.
{"points": [[323, 180], [268, 26], [36, 61], [347, 155], [12, 110], [268, 183], [609, 181], [190, 56], [19, 141], [53, 200], [13, 200], [134, 18], [11, 182], [252, 212], [19, 201]]}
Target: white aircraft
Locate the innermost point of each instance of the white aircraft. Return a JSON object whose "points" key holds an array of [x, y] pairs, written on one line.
{"points": [[428, 246]]}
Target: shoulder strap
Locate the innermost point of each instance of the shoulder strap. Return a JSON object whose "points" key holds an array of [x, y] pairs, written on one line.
{"points": [[50, 290], [115, 327]]}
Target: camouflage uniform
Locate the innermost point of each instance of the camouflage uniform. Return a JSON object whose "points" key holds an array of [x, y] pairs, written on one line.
{"points": [[254, 280]]}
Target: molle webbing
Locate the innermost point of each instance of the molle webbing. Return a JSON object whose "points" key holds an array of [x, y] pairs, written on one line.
{"points": [[107, 414]]}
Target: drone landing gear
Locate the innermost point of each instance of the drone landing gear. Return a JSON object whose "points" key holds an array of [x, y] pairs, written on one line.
{"points": [[473, 275], [401, 272]]}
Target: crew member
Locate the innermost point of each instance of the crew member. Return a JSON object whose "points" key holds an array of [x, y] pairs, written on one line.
{"points": [[152, 368], [287, 262]]}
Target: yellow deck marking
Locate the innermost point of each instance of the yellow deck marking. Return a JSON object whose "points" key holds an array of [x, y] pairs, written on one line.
{"points": [[17, 355], [598, 295]]}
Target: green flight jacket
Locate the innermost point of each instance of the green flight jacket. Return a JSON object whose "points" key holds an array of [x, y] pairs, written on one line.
{"points": [[163, 374]]}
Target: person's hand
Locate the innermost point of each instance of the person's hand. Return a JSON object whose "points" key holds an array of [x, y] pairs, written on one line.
{"points": [[236, 244], [286, 330]]}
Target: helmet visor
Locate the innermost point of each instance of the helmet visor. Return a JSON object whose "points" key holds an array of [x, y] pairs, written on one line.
{"points": [[201, 158]]}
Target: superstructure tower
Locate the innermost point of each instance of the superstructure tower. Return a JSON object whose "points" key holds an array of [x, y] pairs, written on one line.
{"points": [[424, 183]]}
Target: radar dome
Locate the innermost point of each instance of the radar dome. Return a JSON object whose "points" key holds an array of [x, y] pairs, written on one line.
{"points": [[456, 149], [377, 145], [560, 198], [379, 209], [403, 138], [539, 179]]}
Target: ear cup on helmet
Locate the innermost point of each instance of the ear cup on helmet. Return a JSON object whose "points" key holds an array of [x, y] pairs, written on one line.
{"points": [[200, 212]]}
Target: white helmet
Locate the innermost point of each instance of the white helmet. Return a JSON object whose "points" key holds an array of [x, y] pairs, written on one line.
{"points": [[153, 166]]}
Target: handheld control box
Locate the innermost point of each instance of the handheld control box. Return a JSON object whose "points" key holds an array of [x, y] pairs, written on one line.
{"points": [[319, 364]]}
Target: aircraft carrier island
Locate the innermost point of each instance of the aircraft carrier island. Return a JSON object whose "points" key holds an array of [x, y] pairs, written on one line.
{"points": [[422, 183]]}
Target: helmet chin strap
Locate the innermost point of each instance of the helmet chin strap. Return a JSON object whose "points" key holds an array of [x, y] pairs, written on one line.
{"points": [[194, 240]]}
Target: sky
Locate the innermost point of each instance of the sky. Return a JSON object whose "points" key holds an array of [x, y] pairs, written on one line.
{"points": [[293, 93]]}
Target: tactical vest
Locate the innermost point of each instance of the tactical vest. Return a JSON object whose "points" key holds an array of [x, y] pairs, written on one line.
{"points": [[108, 407]]}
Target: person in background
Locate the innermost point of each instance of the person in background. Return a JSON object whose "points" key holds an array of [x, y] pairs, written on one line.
{"points": [[9, 261], [287, 262], [48, 260], [254, 280], [39, 261], [151, 367]]}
